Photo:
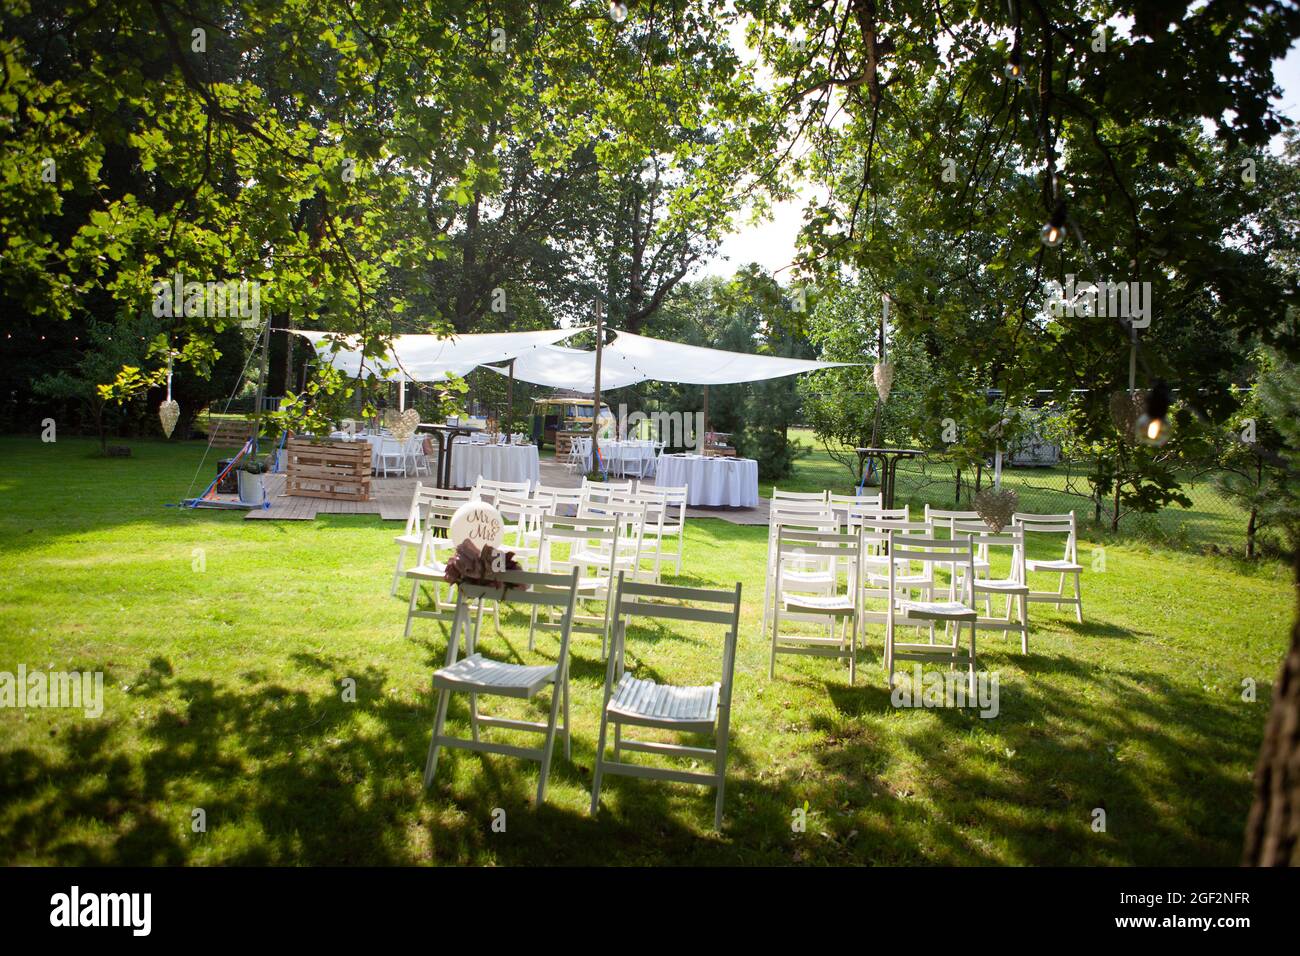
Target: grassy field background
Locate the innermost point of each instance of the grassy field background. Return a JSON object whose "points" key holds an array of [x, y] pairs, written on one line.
{"points": [[225, 645]]}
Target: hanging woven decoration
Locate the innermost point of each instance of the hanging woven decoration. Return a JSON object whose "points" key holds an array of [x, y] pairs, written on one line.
{"points": [[169, 412], [883, 376], [996, 507], [401, 424]]}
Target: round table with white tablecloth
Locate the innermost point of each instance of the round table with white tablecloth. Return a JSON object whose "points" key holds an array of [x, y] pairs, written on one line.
{"points": [[471, 461], [711, 481]]}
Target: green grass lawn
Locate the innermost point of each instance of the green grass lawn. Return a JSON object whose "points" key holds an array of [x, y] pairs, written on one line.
{"points": [[225, 644]]}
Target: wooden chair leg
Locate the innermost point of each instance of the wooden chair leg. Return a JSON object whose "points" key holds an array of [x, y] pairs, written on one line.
{"points": [[410, 610], [599, 765], [397, 575], [440, 718], [1078, 598]]}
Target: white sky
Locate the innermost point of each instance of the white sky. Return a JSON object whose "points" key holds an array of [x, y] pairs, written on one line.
{"points": [[771, 243]]}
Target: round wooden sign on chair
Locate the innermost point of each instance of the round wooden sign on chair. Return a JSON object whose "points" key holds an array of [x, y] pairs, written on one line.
{"points": [[478, 522]]}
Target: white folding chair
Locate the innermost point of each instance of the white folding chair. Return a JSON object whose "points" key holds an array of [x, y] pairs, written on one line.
{"points": [[626, 556], [431, 564], [521, 521], [392, 456], [779, 495], [795, 601], [1068, 564], [847, 506], [417, 461], [632, 701], [563, 501], [909, 579], [906, 612], [480, 676], [416, 520], [590, 487], [579, 459], [652, 530], [561, 540], [674, 523], [487, 489], [944, 520], [801, 514], [1012, 587]]}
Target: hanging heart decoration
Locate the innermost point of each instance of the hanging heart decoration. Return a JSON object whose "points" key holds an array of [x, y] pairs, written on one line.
{"points": [[883, 376], [169, 412], [401, 424], [996, 507], [1125, 407]]}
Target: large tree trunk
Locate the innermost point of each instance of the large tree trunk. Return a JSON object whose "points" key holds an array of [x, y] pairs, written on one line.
{"points": [[1273, 827]]}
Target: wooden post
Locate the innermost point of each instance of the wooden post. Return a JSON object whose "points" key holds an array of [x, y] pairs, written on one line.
{"points": [[261, 381], [705, 423], [510, 401], [595, 396]]}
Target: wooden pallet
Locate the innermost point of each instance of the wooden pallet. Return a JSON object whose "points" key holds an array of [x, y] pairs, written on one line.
{"points": [[228, 434], [339, 471]]}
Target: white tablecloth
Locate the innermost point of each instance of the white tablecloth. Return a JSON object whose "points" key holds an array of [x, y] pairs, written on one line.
{"points": [[494, 462], [716, 482], [628, 457]]}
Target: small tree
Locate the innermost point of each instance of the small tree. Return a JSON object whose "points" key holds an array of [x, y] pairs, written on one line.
{"points": [[112, 350]]}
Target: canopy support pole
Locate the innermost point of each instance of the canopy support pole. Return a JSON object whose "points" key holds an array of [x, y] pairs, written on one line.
{"points": [[704, 423], [261, 381], [401, 392], [510, 400], [595, 397]]}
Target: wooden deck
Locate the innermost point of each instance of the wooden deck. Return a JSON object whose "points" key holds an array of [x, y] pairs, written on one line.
{"points": [[391, 500]]}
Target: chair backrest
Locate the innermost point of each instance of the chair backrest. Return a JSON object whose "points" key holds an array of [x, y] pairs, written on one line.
{"points": [[675, 497], [808, 517], [577, 533], [699, 605], [930, 551], [779, 495], [1051, 524], [800, 546], [864, 501], [985, 537], [437, 526], [391, 446], [605, 486], [550, 590], [944, 519], [560, 497], [488, 489]]}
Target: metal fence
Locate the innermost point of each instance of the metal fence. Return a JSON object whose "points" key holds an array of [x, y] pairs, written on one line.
{"points": [[1213, 522]]}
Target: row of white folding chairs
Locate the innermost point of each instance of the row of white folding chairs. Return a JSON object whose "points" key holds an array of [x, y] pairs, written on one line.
{"points": [[851, 510], [804, 577], [609, 531], [406, 458], [880, 562], [629, 702]]}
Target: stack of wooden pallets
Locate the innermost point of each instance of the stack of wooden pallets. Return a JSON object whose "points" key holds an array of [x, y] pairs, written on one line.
{"points": [[336, 470]]}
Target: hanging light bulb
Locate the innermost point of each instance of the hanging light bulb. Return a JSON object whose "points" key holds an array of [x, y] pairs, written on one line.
{"points": [[1054, 229], [1153, 424], [617, 11], [1013, 69]]}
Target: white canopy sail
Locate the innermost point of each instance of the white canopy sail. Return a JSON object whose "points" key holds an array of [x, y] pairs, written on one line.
{"points": [[426, 358], [636, 358], [573, 369]]}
